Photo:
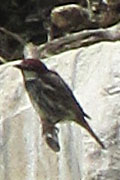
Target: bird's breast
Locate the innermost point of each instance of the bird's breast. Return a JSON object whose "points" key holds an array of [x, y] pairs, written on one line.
{"points": [[49, 102]]}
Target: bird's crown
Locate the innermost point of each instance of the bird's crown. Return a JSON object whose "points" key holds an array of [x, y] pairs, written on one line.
{"points": [[32, 65]]}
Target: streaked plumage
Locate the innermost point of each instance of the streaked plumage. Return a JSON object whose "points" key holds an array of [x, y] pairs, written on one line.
{"points": [[52, 99]]}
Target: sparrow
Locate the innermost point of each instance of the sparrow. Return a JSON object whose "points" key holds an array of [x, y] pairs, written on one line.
{"points": [[53, 100]]}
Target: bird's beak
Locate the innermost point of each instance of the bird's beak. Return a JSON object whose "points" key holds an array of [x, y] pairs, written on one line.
{"points": [[19, 66]]}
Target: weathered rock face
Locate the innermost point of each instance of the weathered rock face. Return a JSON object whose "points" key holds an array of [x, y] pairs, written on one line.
{"points": [[94, 75]]}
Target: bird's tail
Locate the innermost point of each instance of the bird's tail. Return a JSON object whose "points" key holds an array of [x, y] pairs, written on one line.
{"points": [[88, 128]]}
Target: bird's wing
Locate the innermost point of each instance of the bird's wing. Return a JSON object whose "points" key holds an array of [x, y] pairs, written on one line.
{"points": [[61, 91]]}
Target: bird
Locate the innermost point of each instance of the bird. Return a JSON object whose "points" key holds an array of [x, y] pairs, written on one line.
{"points": [[53, 100]]}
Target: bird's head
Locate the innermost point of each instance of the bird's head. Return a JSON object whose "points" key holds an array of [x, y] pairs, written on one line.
{"points": [[34, 65]]}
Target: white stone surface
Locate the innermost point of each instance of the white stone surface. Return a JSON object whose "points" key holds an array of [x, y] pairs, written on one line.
{"points": [[94, 75]]}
